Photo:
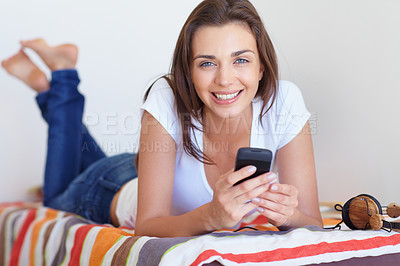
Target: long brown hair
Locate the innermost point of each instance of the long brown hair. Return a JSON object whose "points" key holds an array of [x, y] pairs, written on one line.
{"points": [[216, 13]]}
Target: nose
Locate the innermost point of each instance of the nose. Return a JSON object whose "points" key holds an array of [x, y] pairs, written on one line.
{"points": [[225, 76]]}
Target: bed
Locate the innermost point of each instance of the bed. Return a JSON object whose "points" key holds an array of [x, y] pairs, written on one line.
{"points": [[31, 234]]}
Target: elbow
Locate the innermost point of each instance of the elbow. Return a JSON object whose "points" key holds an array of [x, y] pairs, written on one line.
{"points": [[139, 230], [319, 222]]}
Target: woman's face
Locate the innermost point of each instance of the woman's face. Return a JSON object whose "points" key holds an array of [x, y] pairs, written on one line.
{"points": [[225, 68]]}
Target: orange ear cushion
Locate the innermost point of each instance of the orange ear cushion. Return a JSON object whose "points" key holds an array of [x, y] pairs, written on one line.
{"points": [[393, 210], [376, 221]]}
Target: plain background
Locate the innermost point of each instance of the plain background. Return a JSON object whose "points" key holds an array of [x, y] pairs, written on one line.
{"points": [[344, 55]]}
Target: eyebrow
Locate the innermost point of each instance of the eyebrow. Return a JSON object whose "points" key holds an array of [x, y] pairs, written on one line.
{"points": [[234, 54]]}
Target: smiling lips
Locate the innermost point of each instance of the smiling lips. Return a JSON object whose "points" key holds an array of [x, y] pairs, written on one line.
{"points": [[226, 97]]}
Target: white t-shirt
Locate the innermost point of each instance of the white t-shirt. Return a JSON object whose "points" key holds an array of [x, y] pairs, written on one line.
{"points": [[280, 125]]}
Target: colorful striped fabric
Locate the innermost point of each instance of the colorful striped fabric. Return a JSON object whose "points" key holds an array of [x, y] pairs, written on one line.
{"points": [[35, 235]]}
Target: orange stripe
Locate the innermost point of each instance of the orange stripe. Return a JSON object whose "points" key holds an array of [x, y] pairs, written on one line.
{"points": [[330, 221], [266, 227], [50, 215], [303, 251], [105, 239]]}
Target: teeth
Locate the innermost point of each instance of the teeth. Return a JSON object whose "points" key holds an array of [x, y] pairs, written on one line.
{"points": [[224, 97]]}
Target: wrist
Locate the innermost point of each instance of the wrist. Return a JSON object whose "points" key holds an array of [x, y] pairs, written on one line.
{"points": [[208, 218], [288, 224]]}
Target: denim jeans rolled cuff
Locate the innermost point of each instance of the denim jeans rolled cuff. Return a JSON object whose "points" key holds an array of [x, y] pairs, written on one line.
{"points": [[64, 84], [63, 77]]}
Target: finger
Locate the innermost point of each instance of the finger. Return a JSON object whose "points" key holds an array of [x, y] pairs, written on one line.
{"points": [[273, 206], [244, 196], [248, 207], [284, 189], [275, 218], [245, 189], [266, 178], [238, 175], [280, 198]]}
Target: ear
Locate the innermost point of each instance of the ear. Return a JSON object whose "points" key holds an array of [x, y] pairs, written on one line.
{"points": [[261, 74]]}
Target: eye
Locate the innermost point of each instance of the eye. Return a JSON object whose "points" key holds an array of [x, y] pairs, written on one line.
{"points": [[206, 64], [241, 61]]}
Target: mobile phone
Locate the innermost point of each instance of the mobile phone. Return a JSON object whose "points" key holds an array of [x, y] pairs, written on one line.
{"points": [[260, 158]]}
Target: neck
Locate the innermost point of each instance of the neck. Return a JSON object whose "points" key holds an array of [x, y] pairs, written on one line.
{"points": [[218, 128]]}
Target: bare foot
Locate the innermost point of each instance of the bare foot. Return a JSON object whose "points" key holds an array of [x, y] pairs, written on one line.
{"points": [[55, 57], [21, 67]]}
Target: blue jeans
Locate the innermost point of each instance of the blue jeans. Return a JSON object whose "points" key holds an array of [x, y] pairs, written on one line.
{"points": [[79, 178]]}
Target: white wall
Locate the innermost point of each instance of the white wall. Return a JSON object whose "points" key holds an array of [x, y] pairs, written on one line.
{"points": [[342, 54]]}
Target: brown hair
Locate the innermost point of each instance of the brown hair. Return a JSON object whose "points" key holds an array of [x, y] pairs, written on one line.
{"points": [[216, 13]]}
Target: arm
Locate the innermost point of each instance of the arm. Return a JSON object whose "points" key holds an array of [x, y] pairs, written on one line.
{"points": [[156, 170], [156, 179], [295, 202]]}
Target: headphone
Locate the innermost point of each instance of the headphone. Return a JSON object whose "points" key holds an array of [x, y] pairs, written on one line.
{"points": [[365, 212]]}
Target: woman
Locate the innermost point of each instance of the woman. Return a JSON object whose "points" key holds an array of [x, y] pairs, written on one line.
{"points": [[222, 94]]}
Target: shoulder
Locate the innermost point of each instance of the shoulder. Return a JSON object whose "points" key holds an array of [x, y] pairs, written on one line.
{"points": [[160, 96], [291, 112], [288, 92], [161, 89], [288, 99], [160, 103]]}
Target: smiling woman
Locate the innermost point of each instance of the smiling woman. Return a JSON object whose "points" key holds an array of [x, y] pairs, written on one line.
{"points": [[224, 86], [222, 94], [226, 69]]}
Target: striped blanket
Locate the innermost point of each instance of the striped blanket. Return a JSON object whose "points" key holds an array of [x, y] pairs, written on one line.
{"points": [[35, 235]]}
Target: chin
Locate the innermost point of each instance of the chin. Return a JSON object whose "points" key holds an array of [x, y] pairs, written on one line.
{"points": [[226, 114], [234, 110]]}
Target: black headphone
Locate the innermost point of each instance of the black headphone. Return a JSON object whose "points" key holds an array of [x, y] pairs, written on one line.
{"points": [[365, 212]]}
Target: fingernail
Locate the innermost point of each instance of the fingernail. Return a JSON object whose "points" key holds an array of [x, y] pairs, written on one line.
{"points": [[270, 178], [251, 168], [273, 181], [259, 209], [274, 188], [256, 200]]}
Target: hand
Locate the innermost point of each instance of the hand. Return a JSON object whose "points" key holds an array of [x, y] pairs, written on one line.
{"points": [[278, 204], [231, 203]]}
